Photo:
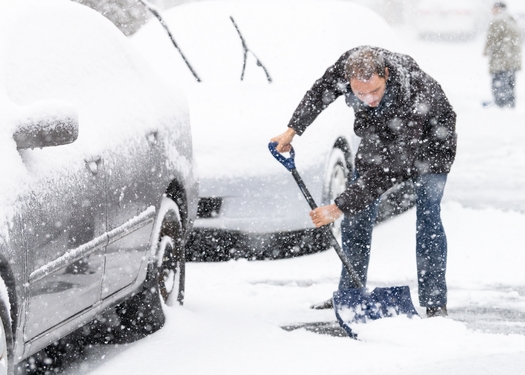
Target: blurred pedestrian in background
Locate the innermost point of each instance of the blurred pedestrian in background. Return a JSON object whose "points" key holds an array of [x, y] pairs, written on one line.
{"points": [[503, 47]]}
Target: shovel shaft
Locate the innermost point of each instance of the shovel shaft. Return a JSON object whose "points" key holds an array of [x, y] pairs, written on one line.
{"points": [[289, 164], [333, 241], [303, 189]]}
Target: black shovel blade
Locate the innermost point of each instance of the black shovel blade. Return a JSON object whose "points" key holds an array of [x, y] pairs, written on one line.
{"points": [[359, 306]]}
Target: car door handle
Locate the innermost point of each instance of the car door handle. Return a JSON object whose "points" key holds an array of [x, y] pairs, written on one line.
{"points": [[152, 137], [93, 164]]}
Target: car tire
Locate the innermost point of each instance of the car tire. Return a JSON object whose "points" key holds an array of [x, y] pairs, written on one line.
{"points": [[170, 258], [397, 200], [143, 314], [335, 182]]}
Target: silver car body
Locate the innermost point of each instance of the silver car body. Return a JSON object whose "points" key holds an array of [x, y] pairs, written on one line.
{"points": [[78, 221]]}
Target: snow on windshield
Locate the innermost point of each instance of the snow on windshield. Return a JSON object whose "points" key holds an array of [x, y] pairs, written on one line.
{"points": [[292, 43]]}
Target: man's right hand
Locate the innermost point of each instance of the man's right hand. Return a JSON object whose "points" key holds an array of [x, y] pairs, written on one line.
{"points": [[284, 140]]}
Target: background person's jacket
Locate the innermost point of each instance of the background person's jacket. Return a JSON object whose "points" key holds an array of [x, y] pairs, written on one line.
{"points": [[503, 44], [411, 132]]}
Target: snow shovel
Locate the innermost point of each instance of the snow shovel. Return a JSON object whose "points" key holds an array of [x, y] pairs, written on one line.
{"points": [[353, 305]]}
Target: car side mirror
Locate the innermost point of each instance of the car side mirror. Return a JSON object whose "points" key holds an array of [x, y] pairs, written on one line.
{"points": [[46, 126]]}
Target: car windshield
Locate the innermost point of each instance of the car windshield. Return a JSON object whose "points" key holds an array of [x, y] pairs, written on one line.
{"points": [[208, 38]]}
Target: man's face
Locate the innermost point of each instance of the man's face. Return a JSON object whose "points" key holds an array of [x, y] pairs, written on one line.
{"points": [[371, 91]]}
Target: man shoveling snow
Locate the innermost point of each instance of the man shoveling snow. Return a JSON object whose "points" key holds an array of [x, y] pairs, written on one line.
{"points": [[407, 130]]}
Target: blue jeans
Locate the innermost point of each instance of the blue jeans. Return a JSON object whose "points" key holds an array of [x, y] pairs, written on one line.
{"points": [[431, 241], [503, 84]]}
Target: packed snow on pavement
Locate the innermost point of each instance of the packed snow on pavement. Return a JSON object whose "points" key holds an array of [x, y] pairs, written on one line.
{"points": [[233, 313]]}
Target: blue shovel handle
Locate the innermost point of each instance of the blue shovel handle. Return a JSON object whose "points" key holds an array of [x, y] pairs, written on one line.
{"points": [[289, 163]]}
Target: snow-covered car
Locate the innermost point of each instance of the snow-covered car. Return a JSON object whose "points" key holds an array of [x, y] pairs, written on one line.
{"points": [[97, 192], [458, 19], [246, 67]]}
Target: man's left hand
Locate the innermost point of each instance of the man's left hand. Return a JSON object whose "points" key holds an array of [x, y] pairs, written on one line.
{"points": [[325, 215]]}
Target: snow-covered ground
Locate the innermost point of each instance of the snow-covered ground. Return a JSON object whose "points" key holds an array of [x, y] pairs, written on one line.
{"points": [[232, 317]]}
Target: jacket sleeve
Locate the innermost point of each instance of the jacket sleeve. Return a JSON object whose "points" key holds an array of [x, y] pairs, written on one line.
{"points": [[324, 92], [440, 132]]}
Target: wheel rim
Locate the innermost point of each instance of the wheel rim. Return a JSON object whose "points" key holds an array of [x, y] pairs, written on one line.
{"points": [[166, 274], [337, 182], [169, 274], [337, 186], [171, 262]]}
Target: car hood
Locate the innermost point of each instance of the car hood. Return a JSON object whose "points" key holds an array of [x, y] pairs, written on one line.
{"points": [[232, 129]]}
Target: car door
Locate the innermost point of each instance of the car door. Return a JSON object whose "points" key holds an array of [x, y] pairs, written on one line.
{"points": [[136, 181], [64, 231]]}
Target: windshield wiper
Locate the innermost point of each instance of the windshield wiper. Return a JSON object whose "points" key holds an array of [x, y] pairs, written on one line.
{"points": [[156, 13], [245, 51]]}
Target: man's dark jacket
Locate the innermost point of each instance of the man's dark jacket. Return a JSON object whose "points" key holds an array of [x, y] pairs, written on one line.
{"points": [[410, 133]]}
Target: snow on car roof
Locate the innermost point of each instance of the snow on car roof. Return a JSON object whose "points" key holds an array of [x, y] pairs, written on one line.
{"points": [[59, 55]]}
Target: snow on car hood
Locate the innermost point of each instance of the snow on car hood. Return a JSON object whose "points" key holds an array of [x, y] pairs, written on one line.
{"points": [[56, 52], [232, 131]]}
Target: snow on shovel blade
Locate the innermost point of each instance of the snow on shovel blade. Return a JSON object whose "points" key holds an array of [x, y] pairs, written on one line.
{"points": [[359, 306]]}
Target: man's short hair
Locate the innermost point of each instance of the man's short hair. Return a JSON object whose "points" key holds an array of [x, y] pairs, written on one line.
{"points": [[364, 63], [499, 5]]}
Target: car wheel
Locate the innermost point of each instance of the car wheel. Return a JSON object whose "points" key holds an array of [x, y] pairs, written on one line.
{"points": [[170, 266], [397, 200], [143, 314], [335, 183]]}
